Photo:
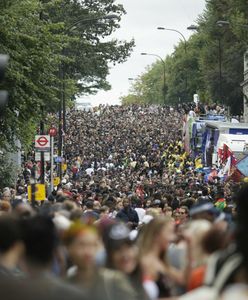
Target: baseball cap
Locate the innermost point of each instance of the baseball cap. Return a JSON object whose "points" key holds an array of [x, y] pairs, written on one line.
{"points": [[116, 235]]}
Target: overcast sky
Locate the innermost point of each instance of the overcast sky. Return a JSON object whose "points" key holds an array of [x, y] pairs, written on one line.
{"points": [[140, 23]]}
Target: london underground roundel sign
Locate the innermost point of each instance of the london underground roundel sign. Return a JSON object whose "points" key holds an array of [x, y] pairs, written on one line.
{"points": [[42, 142]]}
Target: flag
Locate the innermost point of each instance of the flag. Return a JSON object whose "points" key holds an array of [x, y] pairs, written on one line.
{"points": [[229, 161]]}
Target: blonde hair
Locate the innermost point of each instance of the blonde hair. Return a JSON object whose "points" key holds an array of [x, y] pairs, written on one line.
{"points": [[153, 212], [197, 230], [77, 228], [150, 231]]}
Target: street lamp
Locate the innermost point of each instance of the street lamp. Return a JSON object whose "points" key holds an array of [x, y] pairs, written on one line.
{"points": [[196, 28], [68, 30], [163, 62], [222, 23], [244, 84], [62, 105], [185, 50], [193, 27], [175, 30]]}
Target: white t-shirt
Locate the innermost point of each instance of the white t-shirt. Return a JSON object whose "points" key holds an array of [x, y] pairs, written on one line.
{"points": [[89, 171], [237, 291], [141, 213]]}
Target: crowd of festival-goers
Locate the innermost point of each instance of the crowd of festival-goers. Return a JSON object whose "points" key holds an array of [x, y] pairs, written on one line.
{"points": [[132, 218]]}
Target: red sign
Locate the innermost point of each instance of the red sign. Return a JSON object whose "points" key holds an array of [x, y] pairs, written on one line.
{"points": [[52, 131], [42, 141]]}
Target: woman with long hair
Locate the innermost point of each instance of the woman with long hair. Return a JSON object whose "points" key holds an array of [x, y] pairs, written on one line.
{"points": [[158, 275]]}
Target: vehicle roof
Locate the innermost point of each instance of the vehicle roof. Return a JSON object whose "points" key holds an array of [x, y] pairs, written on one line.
{"points": [[219, 125], [233, 141]]}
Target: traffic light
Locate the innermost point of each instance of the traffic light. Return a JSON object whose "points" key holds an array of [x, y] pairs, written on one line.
{"points": [[3, 64]]}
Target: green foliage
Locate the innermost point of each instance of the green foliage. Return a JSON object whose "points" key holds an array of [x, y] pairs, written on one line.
{"points": [[7, 172], [131, 99], [197, 70], [53, 44]]}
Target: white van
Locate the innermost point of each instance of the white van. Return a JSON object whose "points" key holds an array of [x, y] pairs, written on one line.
{"points": [[234, 135]]}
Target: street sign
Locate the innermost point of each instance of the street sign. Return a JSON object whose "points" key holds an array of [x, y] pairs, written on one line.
{"points": [[53, 131], [42, 143], [38, 156], [40, 192]]}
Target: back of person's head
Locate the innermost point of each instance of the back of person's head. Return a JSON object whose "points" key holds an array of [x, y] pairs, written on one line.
{"points": [[89, 204], [204, 191], [40, 239], [5, 206], [10, 233], [242, 224]]}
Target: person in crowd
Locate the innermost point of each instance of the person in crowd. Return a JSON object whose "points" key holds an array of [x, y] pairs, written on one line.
{"points": [[41, 241], [11, 246], [122, 255], [154, 241], [128, 215], [168, 211], [83, 244], [128, 164], [183, 212], [197, 230]]}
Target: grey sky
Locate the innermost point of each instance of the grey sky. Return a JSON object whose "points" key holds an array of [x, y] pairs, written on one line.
{"points": [[140, 23]]}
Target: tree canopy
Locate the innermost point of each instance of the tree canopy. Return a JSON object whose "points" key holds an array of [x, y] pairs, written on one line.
{"points": [[212, 66], [44, 37]]}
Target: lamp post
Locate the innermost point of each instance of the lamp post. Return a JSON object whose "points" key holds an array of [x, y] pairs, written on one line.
{"points": [[177, 31], [222, 23], [69, 30], [185, 50], [244, 84], [193, 27], [163, 62], [196, 28], [62, 104]]}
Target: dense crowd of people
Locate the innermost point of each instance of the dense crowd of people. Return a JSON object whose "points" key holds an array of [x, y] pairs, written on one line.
{"points": [[133, 218]]}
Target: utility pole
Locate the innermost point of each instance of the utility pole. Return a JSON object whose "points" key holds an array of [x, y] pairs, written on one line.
{"points": [[220, 72], [42, 154]]}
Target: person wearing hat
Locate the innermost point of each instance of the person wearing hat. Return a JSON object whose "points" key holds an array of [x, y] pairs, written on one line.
{"points": [[206, 211], [122, 255]]}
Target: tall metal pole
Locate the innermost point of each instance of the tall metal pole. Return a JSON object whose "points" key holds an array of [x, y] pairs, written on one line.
{"points": [[69, 30], [185, 50], [177, 31], [164, 76], [42, 131], [64, 107], [42, 154], [52, 150], [220, 72], [60, 141]]}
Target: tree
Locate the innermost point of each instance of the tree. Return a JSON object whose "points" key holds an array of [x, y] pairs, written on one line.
{"points": [[213, 64], [40, 39], [222, 59]]}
